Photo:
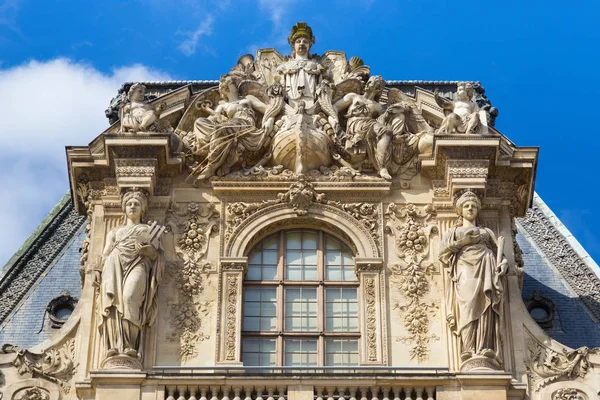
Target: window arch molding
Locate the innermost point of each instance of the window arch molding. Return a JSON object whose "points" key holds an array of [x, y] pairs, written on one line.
{"points": [[320, 217]]}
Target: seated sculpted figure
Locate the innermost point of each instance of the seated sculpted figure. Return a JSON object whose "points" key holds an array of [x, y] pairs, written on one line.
{"points": [[137, 115], [230, 130], [464, 113], [364, 132], [472, 258], [131, 268]]}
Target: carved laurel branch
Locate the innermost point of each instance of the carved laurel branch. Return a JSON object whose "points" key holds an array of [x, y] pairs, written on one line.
{"points": [[56, 365], [546, 366], [412, 228], [192, 227], [301, 196]]}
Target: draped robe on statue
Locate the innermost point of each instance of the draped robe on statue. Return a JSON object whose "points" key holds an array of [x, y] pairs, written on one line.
{"points": [[474, 296], [128, 291]]}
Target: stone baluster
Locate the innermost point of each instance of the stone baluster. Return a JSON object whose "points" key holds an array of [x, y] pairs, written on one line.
{"points": [[281, 390], [171, 392], [203, 392], [225, 390], [353, 393], [319, 392], [215, 393], [386, 393], [419, 392], [259, 393], [341, 395], [374, 393], [430, 391], [271, 392], [363, 393], [193, 392], [249, 393], [236, 393], [396, 393], [181, 390], [408, 393], [330, 393]]}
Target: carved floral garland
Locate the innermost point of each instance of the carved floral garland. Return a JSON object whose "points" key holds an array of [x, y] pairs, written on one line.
{"points": [[232, 292], [412, 275], [301, 195], [193, 228]]}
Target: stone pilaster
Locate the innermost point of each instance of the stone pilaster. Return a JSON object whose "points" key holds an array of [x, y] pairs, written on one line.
{"points": [[232, 271], [372, 303]]}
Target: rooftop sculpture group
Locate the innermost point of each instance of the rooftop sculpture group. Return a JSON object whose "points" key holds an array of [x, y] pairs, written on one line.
{"points": [[304, 112]]}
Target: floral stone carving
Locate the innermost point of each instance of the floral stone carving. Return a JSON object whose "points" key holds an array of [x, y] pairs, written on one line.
{"points": [[56, 365], [301, 196], [193, 227], [546, 366], [411, 277]]}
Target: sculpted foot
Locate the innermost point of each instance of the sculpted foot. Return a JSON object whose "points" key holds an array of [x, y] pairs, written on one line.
{"points": [[131, 352], [385, 174], [112, 352], [465, 355]]}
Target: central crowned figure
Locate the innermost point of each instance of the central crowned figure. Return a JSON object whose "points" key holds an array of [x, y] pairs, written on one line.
{"points": [[301, 73], [300, 145]]}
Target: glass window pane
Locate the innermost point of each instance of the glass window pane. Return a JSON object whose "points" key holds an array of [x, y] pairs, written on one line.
{"points": [[293, 257], [309, 240], [269, 273], [254, 273], [341, 352], [293, 240], [300, 309], [270, 257], [259, 352], [341, 310], [300, 352], [270, 243]]}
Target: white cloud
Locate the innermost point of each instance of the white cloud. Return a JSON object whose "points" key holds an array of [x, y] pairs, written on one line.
{"points": [[189, 46], [46, 106], [277, 9]]}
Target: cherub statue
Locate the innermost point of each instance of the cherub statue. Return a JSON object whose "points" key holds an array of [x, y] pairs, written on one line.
{"points": [[137, 115], [463, 114]]}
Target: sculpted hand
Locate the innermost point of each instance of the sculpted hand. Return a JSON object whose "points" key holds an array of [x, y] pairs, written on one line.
{"points": [[96, 278], [451, 320], [148, 251], [502, 269], [268, 125]]}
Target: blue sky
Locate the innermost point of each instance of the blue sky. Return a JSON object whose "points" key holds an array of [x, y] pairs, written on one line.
{"points": [[61, 62]]}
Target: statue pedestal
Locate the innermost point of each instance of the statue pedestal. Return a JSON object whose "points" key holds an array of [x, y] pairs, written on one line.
{"points": [[480, 363], [121, 361]]}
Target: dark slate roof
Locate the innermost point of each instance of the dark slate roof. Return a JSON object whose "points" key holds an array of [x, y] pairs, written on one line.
{"points": [[37, 255]]}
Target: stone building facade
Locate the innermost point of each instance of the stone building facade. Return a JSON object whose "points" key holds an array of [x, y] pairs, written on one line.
{"points": [[301, 229]]}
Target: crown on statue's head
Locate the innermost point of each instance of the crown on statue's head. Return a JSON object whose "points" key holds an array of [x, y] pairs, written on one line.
{"points": [[301, 29]]}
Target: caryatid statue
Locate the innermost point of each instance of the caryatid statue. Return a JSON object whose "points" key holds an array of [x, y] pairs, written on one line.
{"points": [[473, 259], [131, 268]]}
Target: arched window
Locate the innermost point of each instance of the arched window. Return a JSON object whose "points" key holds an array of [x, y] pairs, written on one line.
{"points": [[300, 302]]}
